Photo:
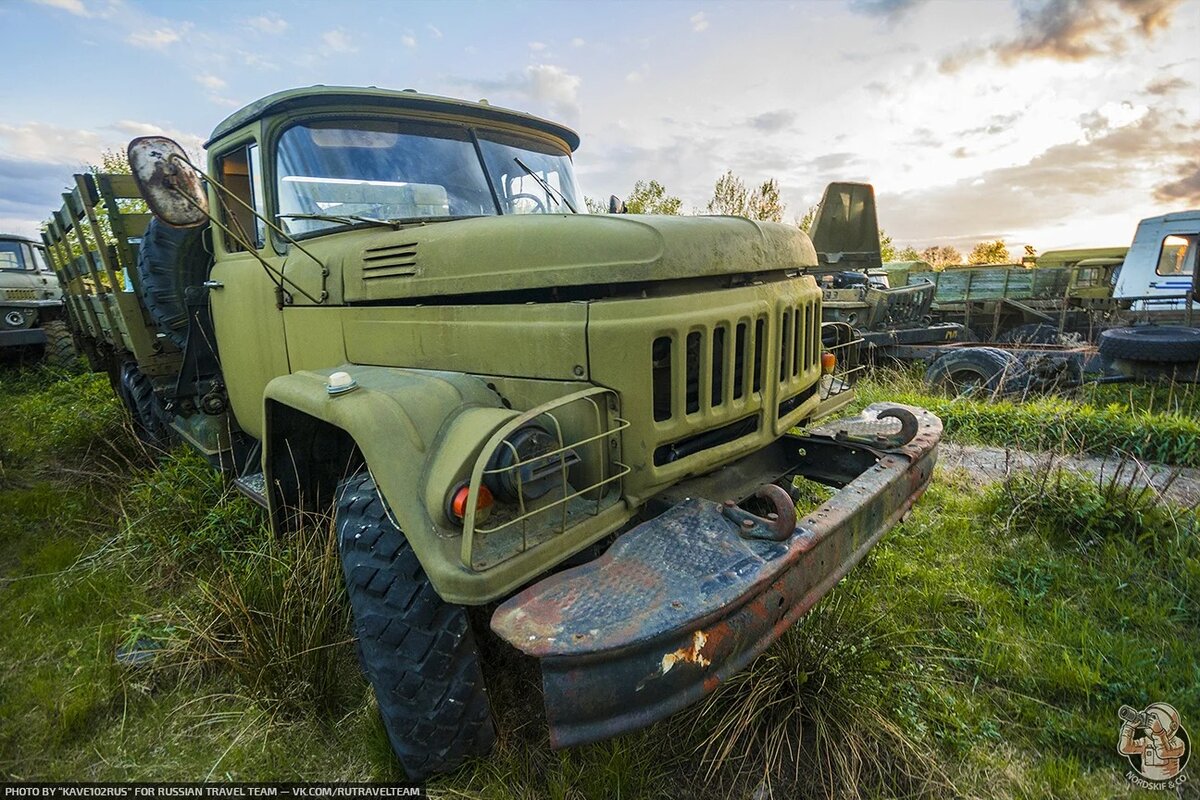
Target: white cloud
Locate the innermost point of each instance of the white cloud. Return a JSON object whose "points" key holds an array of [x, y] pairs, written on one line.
{"points": [[578, 42], [549, 88], [554, 86], [633, 77], [159, 38], [537, 47], [408, 40], [434, 32], [75, 7], [270, 24], [337, 41], [699, 21], [211, 82], [73, 147]]}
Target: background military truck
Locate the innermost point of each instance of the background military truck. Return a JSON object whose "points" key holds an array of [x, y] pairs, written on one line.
{"points": [[385, 304], [31, 305], [1097, 314]]}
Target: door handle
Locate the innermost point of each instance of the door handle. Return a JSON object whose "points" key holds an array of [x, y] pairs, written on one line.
{"points": [[213, 285]]}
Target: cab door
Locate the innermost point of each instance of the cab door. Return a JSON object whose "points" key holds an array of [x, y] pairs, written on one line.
{"points": [[242, 295]]}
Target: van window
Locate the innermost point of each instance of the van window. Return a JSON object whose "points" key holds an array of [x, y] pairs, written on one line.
{"points": [[1178, 255], [239, 173]]}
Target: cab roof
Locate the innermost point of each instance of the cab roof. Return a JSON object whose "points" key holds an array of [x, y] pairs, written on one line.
{"points": [[370, 96]]}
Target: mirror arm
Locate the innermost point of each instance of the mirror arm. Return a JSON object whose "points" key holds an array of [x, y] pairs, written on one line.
{"points": [[277, 277], [221, 191]]}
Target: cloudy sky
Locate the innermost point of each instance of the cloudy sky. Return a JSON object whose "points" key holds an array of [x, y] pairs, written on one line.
{"points": [[1050, 122]]}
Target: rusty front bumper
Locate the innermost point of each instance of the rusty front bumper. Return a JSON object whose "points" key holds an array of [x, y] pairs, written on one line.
{"points": [[683, 601]]}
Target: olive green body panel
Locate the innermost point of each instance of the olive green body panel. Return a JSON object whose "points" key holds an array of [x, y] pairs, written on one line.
{"points": [[546, 340], [250, 334], [419, 433], [547, 251]]}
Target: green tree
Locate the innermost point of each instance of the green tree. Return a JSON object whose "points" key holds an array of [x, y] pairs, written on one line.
{"points": [[765, 204], [887, 250], [908, 254], [113, 162], [993, 252], [806, 221], [594, 206], [650, 197], [941, 257], [730, 196]]}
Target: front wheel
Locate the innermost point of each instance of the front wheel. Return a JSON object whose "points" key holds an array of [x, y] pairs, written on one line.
{"points": [[417, 650], [60, 347]]}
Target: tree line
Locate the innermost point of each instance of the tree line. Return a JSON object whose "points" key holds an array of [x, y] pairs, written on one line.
{"points": [[762, 202]]}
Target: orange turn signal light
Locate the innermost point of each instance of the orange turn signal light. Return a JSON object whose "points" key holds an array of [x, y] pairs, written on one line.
{"points": [[458, 503], [828, 362]]}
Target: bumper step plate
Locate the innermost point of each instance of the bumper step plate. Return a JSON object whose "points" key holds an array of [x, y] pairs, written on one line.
{"points": [[686, 599]]}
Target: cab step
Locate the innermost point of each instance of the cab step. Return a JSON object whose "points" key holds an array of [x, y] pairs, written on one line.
{"points": [[253, 486]]}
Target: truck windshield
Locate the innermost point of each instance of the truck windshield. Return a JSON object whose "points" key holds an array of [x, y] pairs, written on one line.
{"points": [[12, 255], [334, 172]]}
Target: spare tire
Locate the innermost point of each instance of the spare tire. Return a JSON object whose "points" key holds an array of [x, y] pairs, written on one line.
{"points": [[170, 260], [1161, 343], [970, 370]]}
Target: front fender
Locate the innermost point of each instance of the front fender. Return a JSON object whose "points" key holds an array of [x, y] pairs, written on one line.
{"points": [[419, 432], [398, 420]]}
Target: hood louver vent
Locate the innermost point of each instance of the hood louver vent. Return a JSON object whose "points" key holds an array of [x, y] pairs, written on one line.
{"points": [[390, 261]]}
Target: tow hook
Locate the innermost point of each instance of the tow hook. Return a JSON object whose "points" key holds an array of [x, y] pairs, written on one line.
{"points": [[778, 525], [887, 441]]}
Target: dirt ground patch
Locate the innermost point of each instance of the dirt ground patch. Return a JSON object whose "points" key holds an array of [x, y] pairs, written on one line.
{"points": [[1179, 485]]}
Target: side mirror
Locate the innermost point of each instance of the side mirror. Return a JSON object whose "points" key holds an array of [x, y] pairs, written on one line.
{"points": [[615, 205], [165, 177]]}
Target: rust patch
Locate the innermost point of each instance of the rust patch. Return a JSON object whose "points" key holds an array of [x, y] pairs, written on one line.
{"points": [[691, 654]]}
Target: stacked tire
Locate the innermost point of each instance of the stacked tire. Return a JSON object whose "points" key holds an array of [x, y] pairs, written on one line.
{"points": [[1149, 351]]}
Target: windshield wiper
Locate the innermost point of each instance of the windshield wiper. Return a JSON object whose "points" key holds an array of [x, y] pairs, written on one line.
{"points": [[562, 198], [345, 219]]}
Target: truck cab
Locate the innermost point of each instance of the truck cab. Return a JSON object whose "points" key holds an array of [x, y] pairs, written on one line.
{"points": [[31, 304], [1161, 271]]}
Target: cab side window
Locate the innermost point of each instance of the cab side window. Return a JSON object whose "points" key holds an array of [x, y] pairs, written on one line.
{"points": [[1178, 255], [239, 173]]}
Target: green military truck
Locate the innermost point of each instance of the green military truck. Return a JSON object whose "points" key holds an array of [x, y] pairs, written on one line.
{"points": [[387, 305], [31, 302]]}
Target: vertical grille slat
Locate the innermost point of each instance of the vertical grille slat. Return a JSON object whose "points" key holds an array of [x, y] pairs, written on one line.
{"points": [[660, 377], [741, 356], [760, 334], [692, 374], [718, 371], [785, 345]]}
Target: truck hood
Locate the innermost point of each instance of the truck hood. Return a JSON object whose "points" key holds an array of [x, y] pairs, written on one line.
{"points": [[541, 251]]}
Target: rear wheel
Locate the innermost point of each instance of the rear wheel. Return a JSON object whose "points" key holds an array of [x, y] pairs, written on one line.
{"points": [[60, 347], [145, 409], [417, 650], [974, 371]]}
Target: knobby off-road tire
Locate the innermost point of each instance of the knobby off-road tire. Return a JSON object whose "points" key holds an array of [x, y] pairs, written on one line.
{"points": [[975, 370], [1160, 343], [60, 347], [418, 651], [145, 409], [169, 261]]}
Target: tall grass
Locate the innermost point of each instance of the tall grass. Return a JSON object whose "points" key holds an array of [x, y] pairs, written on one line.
{"points": [[275, 614]]}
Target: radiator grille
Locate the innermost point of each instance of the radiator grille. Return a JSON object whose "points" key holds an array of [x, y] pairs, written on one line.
{"points": [[390, 261], [710, 367]]}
